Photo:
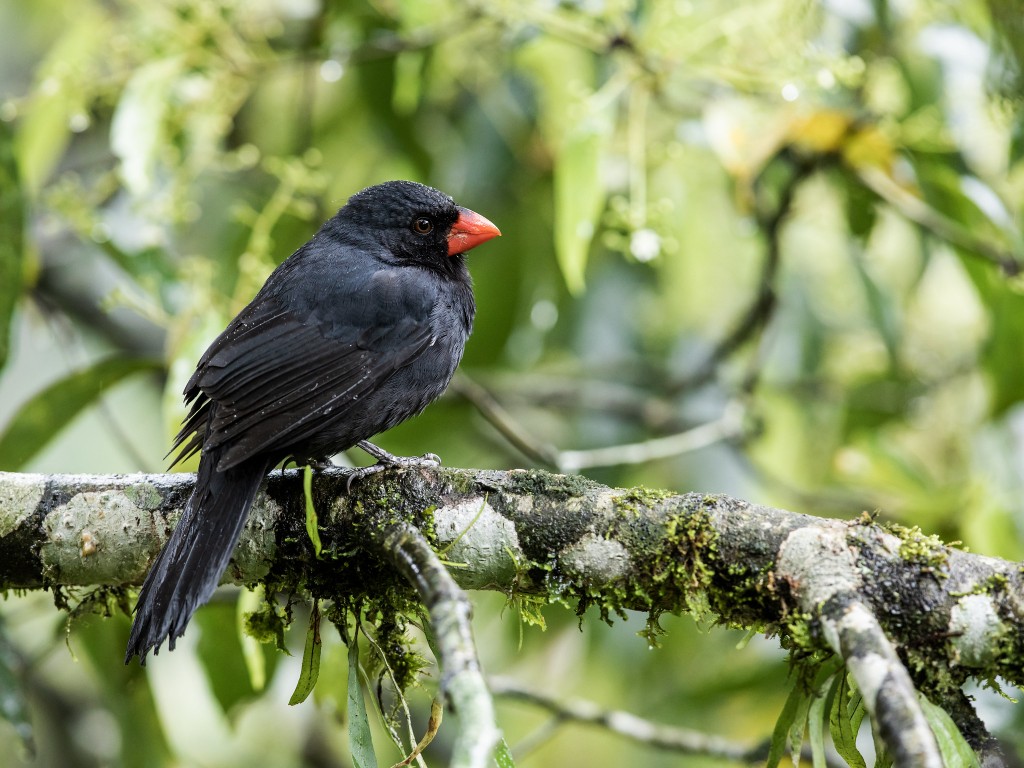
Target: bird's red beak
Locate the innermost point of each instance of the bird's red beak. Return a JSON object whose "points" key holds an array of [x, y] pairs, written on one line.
{"points": [[468, 231]]}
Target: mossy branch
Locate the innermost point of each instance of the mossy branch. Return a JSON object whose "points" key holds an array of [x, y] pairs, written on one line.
{"points": [[938, 614]]}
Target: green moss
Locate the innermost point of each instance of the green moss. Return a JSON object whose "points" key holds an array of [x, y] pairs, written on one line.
{"points": [[637, 498], [268, 623], [673, 565], [534, 482], [919, 549]]}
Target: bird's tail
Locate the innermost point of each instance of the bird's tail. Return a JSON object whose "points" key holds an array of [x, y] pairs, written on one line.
{"points": [[190, 566]]}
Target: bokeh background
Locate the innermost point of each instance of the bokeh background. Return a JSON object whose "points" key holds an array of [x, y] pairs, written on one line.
{"points": [[794, 226]]}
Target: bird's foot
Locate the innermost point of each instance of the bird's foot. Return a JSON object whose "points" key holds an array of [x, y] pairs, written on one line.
{"points": [[387, 460], [320, 465]]}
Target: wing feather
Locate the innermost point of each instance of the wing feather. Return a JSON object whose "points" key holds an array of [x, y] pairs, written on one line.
{"points": [[277, 376]]}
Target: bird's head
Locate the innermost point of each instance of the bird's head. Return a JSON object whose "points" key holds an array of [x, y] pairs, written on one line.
{"points": [[417, 223]]}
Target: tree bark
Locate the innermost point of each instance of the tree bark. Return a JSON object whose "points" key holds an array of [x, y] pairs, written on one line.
{"points": [[901, 608]]}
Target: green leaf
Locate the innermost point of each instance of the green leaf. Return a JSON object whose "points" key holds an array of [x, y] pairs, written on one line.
{"points": [[137, 129], [220, 652], [841, 725], [60, 93], [576, 119], [311, 522], [1001, 357], [882, 309], [954, 748], [816, 731], [310, 658], [49, 411], [360, 740], [13, 706], [12, 224], [124, 691], [503, 756], [579, 198], [793, 710]]}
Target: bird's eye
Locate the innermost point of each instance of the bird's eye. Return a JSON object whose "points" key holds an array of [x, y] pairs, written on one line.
{"points": [[422, 226]]}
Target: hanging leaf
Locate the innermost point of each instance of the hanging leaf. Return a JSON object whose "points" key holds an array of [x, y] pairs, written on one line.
{"points": [[792, 717], [503, 756], [954, 748], [844, 724], [312, 530], [44, 416], [310, 658], [579, 197], [816, 732], [12, 224], [359, 737]]}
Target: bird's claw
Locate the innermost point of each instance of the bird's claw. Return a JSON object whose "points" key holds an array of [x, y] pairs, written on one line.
{"points": [[390, 461]]}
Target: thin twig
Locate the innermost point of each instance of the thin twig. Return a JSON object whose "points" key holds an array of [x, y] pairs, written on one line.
{"points": [[656, 735], [918, 211], [760, 311], [824, 576], [493, 411], [728, 426], [462, 682]]}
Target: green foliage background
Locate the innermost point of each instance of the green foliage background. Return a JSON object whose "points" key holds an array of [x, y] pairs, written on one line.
{"points": [[805, 213]]}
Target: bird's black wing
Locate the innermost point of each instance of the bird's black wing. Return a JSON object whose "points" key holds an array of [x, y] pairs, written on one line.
{"points": [[278, 375]]}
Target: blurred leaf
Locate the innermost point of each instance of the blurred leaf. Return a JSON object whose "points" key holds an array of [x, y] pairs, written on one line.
{"points": [[822, 131], [256, 656], [43, 417], [124, 689], [954, 748], [1001, 355], [869, 147], [877, 400], [944, 187], [579, 197], [861, 207], [577, 120], [220, 653], [137, 129], [311, 522], [60, 94], [359, 737], [881, 308], [310, 658], [13, 706], [12, 223]]}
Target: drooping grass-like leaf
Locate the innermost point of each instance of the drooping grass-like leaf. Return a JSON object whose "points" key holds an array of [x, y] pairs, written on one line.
{"points": [[954, 748], [310, 658], [311, 522], [360, 739]]}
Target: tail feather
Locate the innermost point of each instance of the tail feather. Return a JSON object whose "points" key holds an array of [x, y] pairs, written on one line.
{"points": [[190, 566]]}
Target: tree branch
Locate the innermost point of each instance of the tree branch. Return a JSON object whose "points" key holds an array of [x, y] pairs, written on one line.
{"points": [[879, 597], [462, 681]]}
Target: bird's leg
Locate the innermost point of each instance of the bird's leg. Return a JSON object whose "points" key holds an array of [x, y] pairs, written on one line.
{"points": [[387, 460]]}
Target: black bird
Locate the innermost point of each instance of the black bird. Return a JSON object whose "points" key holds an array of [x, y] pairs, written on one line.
{"points": [[358, 330]]}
